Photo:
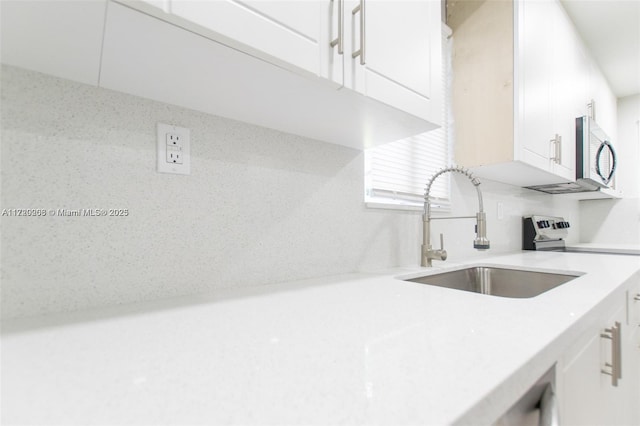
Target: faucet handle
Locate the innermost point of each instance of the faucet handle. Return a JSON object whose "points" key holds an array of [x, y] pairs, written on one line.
{"points": [[443, 252]]}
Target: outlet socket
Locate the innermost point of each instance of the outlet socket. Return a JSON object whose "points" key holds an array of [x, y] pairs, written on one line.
{"points": [[173, 150]]}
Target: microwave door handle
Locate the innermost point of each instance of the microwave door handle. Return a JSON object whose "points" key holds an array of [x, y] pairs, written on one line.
{"points": [[610, 149]]}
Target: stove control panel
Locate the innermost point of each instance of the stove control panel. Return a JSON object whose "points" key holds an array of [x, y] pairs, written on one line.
{"points": [[553, 223], [543, 231]]}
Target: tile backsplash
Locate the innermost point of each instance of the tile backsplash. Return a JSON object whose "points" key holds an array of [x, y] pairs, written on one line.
{"points": [[259, 207]]}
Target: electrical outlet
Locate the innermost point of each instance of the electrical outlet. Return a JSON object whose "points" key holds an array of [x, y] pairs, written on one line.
{"points": [[173, 149], [174, 155]]}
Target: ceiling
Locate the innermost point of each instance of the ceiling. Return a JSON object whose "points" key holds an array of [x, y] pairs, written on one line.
{"points": [[611, 31]]}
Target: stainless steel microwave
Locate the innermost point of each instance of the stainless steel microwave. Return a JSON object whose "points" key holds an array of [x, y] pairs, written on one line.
{"points": [[595, 155]]}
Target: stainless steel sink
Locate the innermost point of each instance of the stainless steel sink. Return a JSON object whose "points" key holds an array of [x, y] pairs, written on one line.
{"points": [[494, 281]]}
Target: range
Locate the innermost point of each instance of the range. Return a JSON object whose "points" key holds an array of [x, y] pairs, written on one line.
{"points": [[549, 233]]}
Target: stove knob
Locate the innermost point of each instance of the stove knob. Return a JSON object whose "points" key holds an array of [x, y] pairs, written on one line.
{"points": [[541, 224], [567, 224]]}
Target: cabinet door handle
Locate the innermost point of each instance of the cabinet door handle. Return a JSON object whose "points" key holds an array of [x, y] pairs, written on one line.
{"points": [[614, 333], [637, 297], [360, 52], [548, 407], [557, 149], [339, 41]]}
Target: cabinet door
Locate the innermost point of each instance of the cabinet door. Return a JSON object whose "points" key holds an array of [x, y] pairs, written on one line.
{"points": [[333, 31], [588, 396], [286, 30], [585, 394], [402, 53], [606, 109], [534, 29], [569, 75], [632, 352], [631, 376]]}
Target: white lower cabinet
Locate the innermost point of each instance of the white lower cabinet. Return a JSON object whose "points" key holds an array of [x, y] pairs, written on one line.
{"points": [[633, 346], [599, 378]]}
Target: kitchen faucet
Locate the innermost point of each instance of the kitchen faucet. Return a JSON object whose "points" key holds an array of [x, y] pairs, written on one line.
{"points": [[480, 243]]}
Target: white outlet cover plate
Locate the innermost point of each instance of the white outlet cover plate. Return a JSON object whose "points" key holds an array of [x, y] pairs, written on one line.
{"points": [[163, 166]]}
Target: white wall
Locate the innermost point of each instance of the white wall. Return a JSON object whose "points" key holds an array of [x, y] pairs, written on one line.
{"points": [[259, 207], [618, 221]]}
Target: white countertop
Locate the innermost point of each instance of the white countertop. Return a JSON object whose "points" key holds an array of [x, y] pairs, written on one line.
{"points": [[356, 349]]}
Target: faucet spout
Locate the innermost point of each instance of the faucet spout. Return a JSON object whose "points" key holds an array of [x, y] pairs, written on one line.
{"points": [[481, 242]]}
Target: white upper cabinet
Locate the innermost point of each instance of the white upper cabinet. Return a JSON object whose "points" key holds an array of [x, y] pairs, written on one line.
{"points": [[386, 50], [553, 73], [176, 64], [282, 64], [390, 91], [534, 42], [59, 38], [568, 91], [285, 30], [521, 78], [398, 54], [605, 103]]}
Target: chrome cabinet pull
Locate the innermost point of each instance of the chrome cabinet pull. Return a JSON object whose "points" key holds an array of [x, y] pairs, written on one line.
{"points": [[557, 149], [360, 52], [548, 407], [637, 297], [339, 41], [614, 335]]}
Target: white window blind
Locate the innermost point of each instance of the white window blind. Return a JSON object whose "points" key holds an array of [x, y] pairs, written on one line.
{"points": [[396, 173]]}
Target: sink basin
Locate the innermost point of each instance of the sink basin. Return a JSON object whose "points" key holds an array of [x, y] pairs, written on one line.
{"points": [[494, 281]]}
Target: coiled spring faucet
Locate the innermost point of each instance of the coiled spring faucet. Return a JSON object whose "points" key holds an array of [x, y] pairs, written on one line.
{"points": [[480, 243]]}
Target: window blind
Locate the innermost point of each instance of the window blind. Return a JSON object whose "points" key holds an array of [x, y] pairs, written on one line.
{"points": [[396, 173]]}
